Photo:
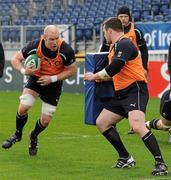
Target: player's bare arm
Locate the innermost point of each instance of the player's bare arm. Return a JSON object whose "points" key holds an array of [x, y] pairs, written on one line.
{"points": [[17, 61]]}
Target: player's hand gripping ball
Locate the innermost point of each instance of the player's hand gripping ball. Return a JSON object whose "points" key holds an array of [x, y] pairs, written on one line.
{"points": [[32, 60]]}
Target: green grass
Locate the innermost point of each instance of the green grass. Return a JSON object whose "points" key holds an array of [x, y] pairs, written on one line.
{"points": [[71, 150]]}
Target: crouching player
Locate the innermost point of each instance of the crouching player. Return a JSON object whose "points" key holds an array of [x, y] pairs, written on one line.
{"points": [[164, 123]]}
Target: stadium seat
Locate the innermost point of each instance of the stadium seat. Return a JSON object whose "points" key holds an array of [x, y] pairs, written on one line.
{"points": [[88, 31], [91, 14], [14, 35], [145, 12], [48, 21], [67, 14], [146, 2], [163, 8], [167, 18], [73, 20], [137, 6], [33, 22], [167, 12], [28, 35], [5, 34], [17, 22], [155, 1], [80, 32], [148, 18], [36, 34], [75, 14], [81, 20], [156, 9], [64, 21], [90, 20], [56, 20], [167, 2], [100, 14], [158, 18], [40, 22], [137, 15], [83, 14], [97, 25]]}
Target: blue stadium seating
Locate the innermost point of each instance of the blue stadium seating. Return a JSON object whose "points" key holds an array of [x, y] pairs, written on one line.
{"points": [[91, 12]]}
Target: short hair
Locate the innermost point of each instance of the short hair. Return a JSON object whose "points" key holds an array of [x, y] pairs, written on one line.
{"points": [[113, 23]]}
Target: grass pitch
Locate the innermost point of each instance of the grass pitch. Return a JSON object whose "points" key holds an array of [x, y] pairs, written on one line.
{"points": [[71, 150]]}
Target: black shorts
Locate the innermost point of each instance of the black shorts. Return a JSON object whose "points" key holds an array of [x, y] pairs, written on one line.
{"points": [[134, 97], [49, 94], [165, 105]]}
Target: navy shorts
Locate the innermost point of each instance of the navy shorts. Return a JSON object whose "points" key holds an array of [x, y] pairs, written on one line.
{"points": [[49, 93], [165, 105], [134, 97]]}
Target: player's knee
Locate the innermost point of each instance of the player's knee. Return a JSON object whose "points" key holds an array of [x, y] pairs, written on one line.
{"points": [[27, 100], [45, 120], [101, 124], [48, 109], [23, 110], [137, 127]]}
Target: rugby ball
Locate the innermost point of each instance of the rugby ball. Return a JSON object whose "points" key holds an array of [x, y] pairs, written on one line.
{"points": [[32, 59]]}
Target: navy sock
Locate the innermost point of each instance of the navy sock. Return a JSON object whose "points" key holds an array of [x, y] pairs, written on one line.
{"points": [[20, 123], [38, 129], [153, 124], [151, 143], [113, 137]]}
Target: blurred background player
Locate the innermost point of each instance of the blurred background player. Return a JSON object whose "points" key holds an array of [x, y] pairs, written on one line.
{"points": [[57, 63], [134, 33], [164, 123], [2, 60]]}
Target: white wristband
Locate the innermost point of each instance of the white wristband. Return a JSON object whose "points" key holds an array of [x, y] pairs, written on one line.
{"points": [[103, 74], [54, 78], [22, 71]]}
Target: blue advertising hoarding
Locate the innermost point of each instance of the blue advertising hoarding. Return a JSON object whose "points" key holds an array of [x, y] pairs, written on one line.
{"points": [[157, 35]]}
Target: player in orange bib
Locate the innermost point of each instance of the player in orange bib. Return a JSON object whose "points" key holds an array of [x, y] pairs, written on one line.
{"points": [[135, 35], [57, 62], [130, 99]]}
